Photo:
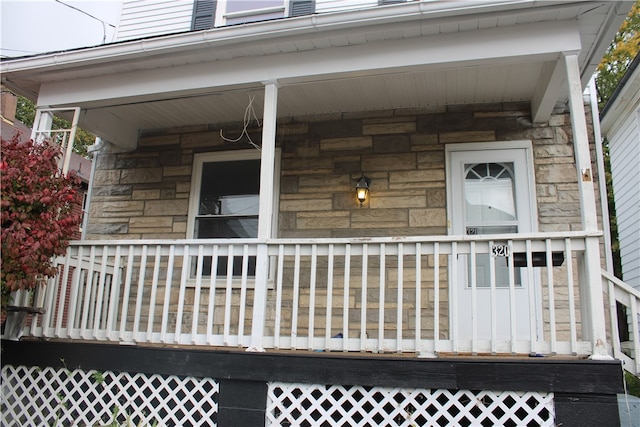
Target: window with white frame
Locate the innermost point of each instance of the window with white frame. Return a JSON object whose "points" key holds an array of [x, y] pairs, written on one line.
{"points": [[215, 13], [224, 203]]}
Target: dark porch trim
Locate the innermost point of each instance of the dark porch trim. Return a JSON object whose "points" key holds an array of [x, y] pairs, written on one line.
{"points": [[584, 389]]}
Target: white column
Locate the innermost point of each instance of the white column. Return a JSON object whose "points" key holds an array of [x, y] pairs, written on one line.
{"points": [[590, 278], [265, 218]]}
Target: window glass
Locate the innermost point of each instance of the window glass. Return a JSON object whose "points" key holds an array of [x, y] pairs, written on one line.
{"points": [[261, 8]]}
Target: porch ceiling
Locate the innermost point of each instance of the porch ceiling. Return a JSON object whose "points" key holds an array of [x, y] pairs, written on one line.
{"points": [[356, 77]]}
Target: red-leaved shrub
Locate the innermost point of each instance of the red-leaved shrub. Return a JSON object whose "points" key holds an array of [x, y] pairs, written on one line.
{"points": [[37, 222]]}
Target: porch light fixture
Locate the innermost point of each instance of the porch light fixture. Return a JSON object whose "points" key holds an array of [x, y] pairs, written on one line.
{"points": [[362, 189]]}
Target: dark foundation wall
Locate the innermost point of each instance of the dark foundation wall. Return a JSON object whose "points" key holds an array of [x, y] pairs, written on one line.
{"points": [[145, 193], [584, 390]]}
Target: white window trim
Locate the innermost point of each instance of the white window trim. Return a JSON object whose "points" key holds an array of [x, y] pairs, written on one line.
{"points": [[222, 15], [199, 159]]}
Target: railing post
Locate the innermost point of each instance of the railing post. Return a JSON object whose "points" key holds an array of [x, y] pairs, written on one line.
{"points": [[267, 172], [593, 318]]}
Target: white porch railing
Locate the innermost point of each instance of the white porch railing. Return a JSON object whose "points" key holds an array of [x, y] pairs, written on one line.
{"points": [[413, 294], [624, 313]]}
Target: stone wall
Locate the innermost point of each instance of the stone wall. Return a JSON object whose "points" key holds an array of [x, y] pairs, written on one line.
{"points": [[145, 194]]}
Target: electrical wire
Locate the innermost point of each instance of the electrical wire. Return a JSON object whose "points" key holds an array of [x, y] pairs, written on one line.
{"points": [[248, 113], [104, 23]]}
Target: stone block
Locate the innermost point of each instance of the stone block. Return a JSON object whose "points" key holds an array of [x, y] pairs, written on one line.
{"points": [[106, 177], [330, 220], [166, 207], [112, 228], [202, 139], [324, 183], [142, 175], [152, 194], [370, 216], [306, 166], [467, 136], [422, 175], [307, 204], [112, 190], [158, 141], [427, 217], [556, 173], [389, 128], [345, 144], [151, 222], [389, 162], [177, 171], [436, 198], [391, 144], [394, 200]]}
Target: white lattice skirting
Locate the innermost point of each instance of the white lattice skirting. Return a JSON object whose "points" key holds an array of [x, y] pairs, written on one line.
{"points": [[45, 397], [317, 405]]}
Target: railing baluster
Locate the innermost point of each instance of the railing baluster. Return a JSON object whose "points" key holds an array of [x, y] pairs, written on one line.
{"points": [[140, 291], [312, 295], [227, 300], [87, 294], [184, 276], [363, 299], [552, 305], [436, 298], [474, 298], [124, 312], [533, 341], [62, 307], [113, 301], [383, 284], [296, 298], [572, 308], [453, 303], [493, 306], [400, 306], [76, 280], [276, 326], [418, 308], [50, 294], [167, 295], [345, 298], [100, 292], [243, 293], [196, 297], [154, 293], [213, 281], [329, 320], [512, 300]]}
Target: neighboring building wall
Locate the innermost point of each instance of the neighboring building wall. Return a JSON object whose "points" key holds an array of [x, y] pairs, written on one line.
{"points": [[624, 149]]}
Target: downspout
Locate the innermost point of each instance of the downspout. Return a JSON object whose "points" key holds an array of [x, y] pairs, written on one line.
{"points": [[93, 150], [602, 180]]}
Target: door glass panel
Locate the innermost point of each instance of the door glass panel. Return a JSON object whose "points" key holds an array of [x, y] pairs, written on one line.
{"points": [[490, 208]]}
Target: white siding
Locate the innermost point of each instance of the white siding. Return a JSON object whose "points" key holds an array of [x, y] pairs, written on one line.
{"points": [[144, 18], [624, 143]]}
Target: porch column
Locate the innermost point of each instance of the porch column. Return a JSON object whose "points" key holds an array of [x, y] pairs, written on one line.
{"points": [[591, 292], [265, 217]]}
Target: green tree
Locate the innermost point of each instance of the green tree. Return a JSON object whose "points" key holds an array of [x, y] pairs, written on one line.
{"points": [[26, 113], [623, 49]]}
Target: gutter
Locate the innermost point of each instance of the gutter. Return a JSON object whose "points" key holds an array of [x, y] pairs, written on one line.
{"points": [[222, 37], [613, 99]]}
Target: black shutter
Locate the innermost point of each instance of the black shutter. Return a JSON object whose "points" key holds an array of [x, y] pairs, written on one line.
{"points": [[302, 7], [204, 12]]}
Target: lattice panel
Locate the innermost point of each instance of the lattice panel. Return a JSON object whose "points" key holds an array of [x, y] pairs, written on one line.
{"points": [[37, 397], [317, 405]]}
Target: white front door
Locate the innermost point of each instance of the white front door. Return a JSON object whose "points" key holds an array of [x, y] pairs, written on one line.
{"points": [[491, 191]]}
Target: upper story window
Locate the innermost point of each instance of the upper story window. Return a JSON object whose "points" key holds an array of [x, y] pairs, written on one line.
{"points": [[210, 13]]}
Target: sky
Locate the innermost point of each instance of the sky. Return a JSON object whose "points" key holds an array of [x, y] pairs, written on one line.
{"points": [[28, 27]]}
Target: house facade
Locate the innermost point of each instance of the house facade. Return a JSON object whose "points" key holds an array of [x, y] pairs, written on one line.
{"points": [[391, 206], [621, 126]]}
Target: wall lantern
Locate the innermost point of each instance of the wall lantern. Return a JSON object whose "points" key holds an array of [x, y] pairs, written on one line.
{"points": [[362, 189]]}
